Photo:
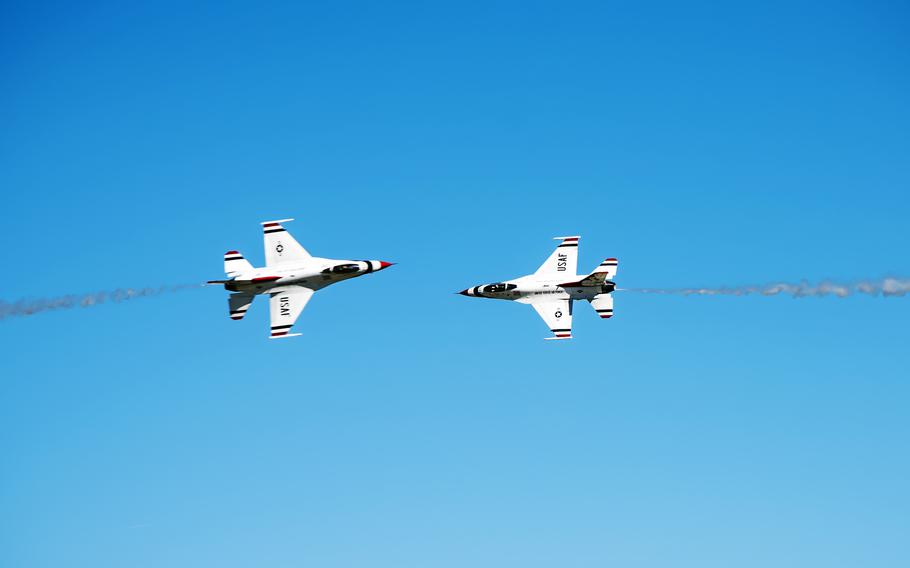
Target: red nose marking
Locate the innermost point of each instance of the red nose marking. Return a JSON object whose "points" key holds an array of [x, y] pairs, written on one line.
{"points": [[384, 264]]}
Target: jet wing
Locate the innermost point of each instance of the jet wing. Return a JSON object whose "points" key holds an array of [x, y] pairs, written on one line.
{"points": [[280, 246], [557, 314], [563, 261], [285, 305]]}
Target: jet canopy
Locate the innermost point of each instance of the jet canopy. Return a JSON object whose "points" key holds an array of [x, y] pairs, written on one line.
{"points": [[342, 269], [499, 287]]}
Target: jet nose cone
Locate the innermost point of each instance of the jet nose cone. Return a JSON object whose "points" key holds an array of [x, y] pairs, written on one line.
{"points": [[464, 292], [383, 265]]}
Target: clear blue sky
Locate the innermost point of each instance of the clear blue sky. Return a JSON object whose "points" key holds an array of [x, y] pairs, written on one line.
{"points": [[700, 143]]}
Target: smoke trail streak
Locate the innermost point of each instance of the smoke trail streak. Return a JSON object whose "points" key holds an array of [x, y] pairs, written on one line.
{"points": [[883, 287], [30, 307]]}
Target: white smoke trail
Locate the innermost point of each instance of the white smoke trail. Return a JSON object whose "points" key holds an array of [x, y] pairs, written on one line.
{"points": [[883, 287], [30, 307]]}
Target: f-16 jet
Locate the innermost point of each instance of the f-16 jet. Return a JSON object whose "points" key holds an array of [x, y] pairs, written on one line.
{"points": [[290, 277], [555, 286]]}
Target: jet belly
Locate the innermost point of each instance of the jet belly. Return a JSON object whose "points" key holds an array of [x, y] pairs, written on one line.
{"points": [[554, 293], [262, 280], [582, 292], [533, 289]]}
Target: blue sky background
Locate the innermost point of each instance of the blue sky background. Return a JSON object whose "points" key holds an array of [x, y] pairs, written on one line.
{"points": [[701, 144]]}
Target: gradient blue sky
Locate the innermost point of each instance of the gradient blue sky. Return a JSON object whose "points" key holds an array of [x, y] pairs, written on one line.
{"points": [[700, 143]]}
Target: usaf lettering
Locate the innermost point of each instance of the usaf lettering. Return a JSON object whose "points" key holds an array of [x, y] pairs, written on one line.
{"points": [[285, 304], [561, 263]]}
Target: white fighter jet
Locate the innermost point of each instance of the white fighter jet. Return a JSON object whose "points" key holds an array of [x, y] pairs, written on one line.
{"points": [[289, 277], [555, 286]]}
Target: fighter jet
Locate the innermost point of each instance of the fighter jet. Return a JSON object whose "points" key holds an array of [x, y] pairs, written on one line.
{"points": [[555, 286], [290, 277]]}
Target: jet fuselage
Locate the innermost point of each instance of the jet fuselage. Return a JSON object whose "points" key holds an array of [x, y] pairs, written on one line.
{"points": [[316, 273], [530, 287]]}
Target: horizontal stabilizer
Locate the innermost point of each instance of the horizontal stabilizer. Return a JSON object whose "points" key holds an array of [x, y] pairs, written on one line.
{"points": [[603, 305], [609, 266], [606, 271], [285, 335], [235, 264], [238, 304]]}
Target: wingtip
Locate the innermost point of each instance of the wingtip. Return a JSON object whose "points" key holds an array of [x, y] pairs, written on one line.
{"points": [[276, 221], [282, 336]]}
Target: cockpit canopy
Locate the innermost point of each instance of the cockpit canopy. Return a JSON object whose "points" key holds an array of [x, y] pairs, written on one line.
{"points": [[500, 287], [342, 269]]}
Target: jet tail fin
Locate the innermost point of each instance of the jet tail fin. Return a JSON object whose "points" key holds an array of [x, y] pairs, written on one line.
{"points": [[234, 263]]}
